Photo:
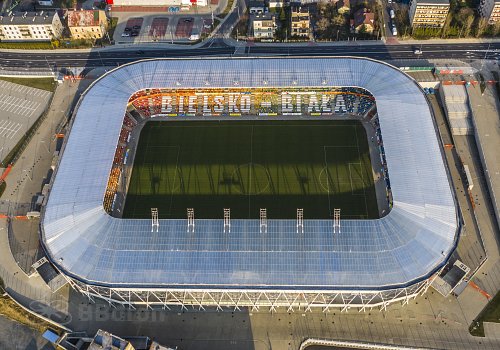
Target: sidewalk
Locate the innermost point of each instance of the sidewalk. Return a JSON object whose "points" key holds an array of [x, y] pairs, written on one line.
{"points": [[233, 42]]}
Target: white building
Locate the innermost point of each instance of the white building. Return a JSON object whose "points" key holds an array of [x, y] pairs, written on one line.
{"points": [[490, 9], [30, 26], [264, 26]]}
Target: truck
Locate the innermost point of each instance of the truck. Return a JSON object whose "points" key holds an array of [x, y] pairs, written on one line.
{"points": [[391, 12]]}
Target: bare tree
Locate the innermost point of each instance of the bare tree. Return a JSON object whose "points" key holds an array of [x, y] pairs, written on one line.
{"points": [[322, 7], [446, 26], [481, 26], [338, 20], [496, 28], [468, 25], [323, 24]]}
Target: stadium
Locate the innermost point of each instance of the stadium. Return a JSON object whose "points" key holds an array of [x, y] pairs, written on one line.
{"points": [[259, 183]]}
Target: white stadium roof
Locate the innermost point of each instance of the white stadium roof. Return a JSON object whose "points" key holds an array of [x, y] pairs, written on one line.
{"points": [[404, 247]]}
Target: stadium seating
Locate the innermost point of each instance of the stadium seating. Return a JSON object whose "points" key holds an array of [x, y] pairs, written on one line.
{"points": [[114, 176], [129, 122], [365, 103]]}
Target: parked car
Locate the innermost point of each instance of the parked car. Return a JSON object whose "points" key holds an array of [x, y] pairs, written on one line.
{"points": [[136, 27], [391, 12], [134, 33], [125, 34], [127, 29], [394, 30]]}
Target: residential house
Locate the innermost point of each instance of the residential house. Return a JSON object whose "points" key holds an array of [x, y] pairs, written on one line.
{"points": [[363, 20], [30, 26], [300, 21], [343, 6], [428, 13], [87, 24], [264, 26]]}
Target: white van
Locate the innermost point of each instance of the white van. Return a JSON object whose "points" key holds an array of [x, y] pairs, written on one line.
{"points": [[195, 35]]}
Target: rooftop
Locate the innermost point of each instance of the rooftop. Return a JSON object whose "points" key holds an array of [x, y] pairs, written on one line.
{"points": [[87, 18], [29, 18], [263, 17]]}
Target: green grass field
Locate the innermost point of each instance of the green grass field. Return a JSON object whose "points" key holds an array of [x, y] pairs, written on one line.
{"points": [[248, 165]]}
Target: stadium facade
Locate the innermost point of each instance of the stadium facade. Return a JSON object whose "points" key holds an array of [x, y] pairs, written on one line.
{"points": [[370, 263]]}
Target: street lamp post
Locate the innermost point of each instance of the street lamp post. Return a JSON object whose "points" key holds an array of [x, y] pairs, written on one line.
{"points": [[100, 57]]}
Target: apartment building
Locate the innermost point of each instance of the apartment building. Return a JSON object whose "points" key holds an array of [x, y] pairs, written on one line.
{"points": [[428, 13], [30, 26], [264, 26], [88, 24], [490, 9], [300, 22]]}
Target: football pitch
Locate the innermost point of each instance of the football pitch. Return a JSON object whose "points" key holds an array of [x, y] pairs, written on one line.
{"points": [[249, 165]]}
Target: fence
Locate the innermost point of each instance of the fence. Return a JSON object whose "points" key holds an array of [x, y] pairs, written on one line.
{"points": [[27, 74]]}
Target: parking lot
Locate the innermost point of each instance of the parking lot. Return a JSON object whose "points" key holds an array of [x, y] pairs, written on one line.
{"points": [[132, 27], [158, 28], [20, 107], [184, 27]]}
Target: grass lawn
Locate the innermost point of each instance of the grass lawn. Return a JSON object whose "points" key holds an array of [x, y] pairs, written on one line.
{"points": [[10, 309], [47, 84], [248, 165], [491, 313]]}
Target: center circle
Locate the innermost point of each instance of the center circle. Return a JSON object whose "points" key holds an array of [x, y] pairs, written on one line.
{"points": [[324, 180], [251, 179]]}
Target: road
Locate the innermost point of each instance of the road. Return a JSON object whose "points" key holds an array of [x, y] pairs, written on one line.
{"points": [[43, 60]]}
